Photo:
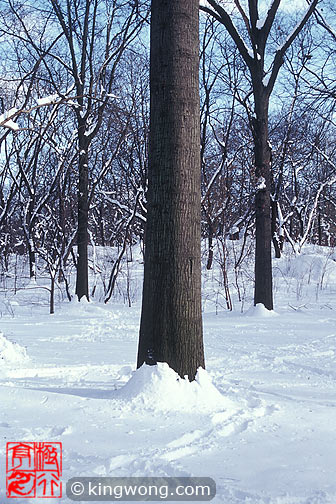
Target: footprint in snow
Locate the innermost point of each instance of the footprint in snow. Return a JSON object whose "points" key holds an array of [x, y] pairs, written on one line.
{"points": [[180, 453], [46, 432], [186, 439]]}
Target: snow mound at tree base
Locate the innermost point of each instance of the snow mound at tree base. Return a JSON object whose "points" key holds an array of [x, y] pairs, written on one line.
{"points": [[260, 311], [11, 353], [160, 388]]}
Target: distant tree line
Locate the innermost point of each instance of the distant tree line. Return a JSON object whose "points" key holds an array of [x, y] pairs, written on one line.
{"points": [[74, 126]]}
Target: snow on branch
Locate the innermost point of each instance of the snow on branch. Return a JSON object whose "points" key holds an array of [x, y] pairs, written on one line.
{"points": [[214, 178], [324, 155], [6, 119], [121, 206], [48, 100]]}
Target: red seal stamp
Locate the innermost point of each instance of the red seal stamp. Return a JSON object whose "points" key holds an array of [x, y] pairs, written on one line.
{"points": [[34, 470]]}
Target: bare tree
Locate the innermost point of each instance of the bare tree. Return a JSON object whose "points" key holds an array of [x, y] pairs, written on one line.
{"points": [[256, 59], [92, 34]]}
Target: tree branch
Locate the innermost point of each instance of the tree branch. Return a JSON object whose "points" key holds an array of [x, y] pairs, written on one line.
{"points": [[279, 56], [224, 18]]}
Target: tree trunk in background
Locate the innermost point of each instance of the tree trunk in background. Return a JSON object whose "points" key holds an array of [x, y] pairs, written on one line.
{"points": [[262, 154], [210, 245], [82, 282], [171, 318], [32, 259], [52, 296]]}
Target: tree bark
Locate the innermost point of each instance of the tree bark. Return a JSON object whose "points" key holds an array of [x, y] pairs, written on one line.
{"points": [[171, 318]]}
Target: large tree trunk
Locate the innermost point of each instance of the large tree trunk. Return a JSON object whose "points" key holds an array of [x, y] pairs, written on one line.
{"points": [[262, 152], [171, 318], [82, 283]]}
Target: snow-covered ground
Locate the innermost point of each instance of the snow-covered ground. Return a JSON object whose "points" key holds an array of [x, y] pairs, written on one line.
{"points": [[260, 422]]}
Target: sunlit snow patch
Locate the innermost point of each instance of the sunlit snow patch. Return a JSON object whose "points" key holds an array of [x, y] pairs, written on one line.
{"points": [[11, 352], [160, 388]]}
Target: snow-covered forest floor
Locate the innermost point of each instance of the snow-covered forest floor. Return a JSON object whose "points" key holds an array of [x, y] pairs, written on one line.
{"points": [[260, 422]]}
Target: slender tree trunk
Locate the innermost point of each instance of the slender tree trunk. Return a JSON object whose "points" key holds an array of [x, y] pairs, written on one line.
{"points": [[52, 296], [32, 259], [319, 224], [277, 242], [262, 153], [30, 240], [101, 224], [82, 283], [61, 217], [171, 318], [210, 245]]}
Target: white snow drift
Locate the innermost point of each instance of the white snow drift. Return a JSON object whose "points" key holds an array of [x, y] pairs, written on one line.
{"points": [[11, 353]]}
